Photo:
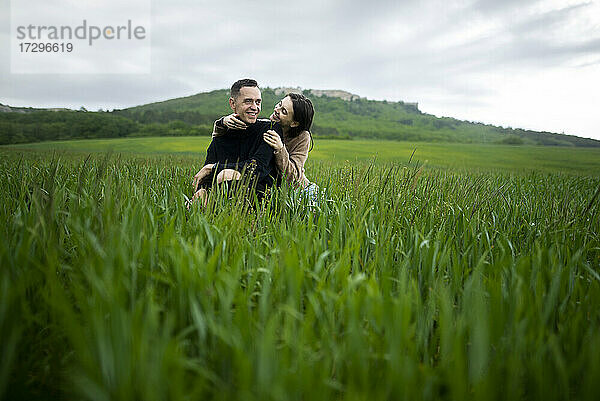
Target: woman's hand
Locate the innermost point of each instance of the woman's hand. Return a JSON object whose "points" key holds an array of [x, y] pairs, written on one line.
{"points": [[233, 121], [273, 139], [202, 174]]}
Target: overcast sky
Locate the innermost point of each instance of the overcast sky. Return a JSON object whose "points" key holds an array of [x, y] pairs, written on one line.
{"points": [[529, 64]]}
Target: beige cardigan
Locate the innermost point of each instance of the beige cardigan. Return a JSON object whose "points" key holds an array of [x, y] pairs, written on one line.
{"points": [[290, 159]]}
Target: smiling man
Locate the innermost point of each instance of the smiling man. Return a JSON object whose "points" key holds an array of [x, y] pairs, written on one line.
{"points": [[242, 149]]}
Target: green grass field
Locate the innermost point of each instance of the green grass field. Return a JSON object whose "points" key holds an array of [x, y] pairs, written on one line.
{"points": [[462, 156], [475, 278]]}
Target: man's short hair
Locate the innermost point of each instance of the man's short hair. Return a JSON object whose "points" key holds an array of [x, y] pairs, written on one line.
{"points": [[235, 88]]}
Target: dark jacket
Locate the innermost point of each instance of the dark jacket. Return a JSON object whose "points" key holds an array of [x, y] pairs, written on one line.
{"points": [[244, 150]]}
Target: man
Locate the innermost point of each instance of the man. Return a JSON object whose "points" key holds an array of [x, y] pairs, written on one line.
{"points": [[241, 149]]}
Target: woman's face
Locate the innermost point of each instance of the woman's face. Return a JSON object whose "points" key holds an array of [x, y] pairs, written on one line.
{"points": [[284, 113]]}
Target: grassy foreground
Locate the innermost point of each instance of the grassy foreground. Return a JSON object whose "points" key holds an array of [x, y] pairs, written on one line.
{"points": [[405, 283], [455, 155]]}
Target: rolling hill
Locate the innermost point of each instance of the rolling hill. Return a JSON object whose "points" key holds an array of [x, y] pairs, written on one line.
{"points": [[339, 114]]}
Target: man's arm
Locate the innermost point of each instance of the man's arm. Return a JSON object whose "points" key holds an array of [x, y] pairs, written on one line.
{"points": [[204, 176], [256, 165], [259, 161], [211, 154]]}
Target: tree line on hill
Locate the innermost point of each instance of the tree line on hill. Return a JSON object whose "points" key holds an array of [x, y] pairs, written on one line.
{"points": [[335, 118], [39, 126]]}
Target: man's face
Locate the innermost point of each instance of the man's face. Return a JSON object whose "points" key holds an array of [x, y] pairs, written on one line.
{"points": [[247, 104]]}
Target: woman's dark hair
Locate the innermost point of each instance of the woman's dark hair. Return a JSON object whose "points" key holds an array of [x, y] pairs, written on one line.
{"points": [[303, 115]]}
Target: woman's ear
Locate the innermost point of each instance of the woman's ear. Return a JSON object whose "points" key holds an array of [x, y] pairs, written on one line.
{"points": [[294, 124]]}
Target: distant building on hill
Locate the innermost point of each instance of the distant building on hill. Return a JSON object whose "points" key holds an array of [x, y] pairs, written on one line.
{"points": [[320, 92], [8, 109], [344, 95]]}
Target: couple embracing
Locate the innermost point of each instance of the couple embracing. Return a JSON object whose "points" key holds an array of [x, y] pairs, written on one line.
{"points": [[267, 150]]}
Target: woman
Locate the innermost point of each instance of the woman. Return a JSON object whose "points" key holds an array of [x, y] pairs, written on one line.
{"points": [[294, 113]]}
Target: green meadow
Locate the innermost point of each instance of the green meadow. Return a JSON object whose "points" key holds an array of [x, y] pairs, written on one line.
{"points": [[575, 160], [464, 272]]}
